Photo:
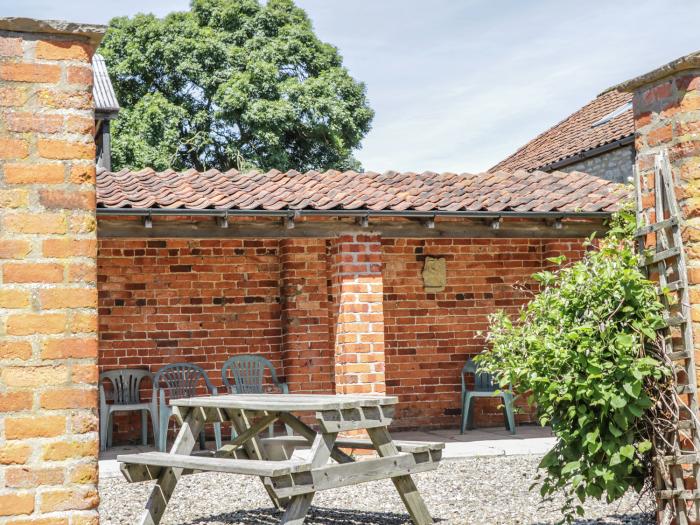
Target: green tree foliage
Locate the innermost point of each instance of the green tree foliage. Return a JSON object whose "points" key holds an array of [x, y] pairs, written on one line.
{"points": [[232, 83], [583, 350]]}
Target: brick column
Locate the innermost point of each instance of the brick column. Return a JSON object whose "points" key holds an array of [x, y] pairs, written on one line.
{"points": [[357, 290], [308, 362], [666, 107], [48, 340]]}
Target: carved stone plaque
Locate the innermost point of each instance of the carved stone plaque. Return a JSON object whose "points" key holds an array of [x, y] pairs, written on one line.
{"points": [[434, 274]]}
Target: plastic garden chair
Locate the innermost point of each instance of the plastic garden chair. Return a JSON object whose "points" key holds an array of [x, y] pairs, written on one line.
{"points": [[484, 387], [177, 381], [125, 397], [247, 377]]}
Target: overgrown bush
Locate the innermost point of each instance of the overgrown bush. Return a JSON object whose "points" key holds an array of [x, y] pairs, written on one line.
{"points": [[583, 350]]}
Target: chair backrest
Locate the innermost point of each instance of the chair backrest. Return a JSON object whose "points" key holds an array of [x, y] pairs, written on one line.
{"points": [[248, 373], [180, 380], [483, 381], [126, 384]]}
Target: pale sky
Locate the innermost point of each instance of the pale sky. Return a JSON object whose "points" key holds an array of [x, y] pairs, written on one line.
{"points": [[457, 85]]}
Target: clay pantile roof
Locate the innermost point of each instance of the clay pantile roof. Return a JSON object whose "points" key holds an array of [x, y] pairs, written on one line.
{"points": [[420, 192], [575, 134]]}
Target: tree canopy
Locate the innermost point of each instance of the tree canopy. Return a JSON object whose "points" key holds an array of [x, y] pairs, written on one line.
{"points": [[232, 84]]}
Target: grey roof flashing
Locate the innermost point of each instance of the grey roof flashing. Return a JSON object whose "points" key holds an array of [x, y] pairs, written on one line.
{"points": [[106, 104]]}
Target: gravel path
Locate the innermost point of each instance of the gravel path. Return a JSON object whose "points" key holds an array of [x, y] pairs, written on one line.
{"points": [[483, 491]]}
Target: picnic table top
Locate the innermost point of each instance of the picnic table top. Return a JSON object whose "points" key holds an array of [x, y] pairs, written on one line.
{"points": [[286, 402]]}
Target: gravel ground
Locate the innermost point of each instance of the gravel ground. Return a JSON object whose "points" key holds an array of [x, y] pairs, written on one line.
{"points": [[483, 491]]}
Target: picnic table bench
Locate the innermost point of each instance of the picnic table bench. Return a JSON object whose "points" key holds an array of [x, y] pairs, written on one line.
{"points": [[289, 480]]}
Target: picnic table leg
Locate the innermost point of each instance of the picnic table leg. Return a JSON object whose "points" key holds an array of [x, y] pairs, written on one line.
{"points": [[309, 433], [254, 449], [168, 478], [383, 444], [298, 507]]}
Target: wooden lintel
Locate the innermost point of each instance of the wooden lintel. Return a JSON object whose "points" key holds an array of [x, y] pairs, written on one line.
{"points": [[209, 229]]}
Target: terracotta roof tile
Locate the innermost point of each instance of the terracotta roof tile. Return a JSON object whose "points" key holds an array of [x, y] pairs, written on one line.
{"points": [[489, 192], [575, 134]]}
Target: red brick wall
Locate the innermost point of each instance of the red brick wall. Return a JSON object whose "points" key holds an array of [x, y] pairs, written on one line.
{"points": [[202, 301]]}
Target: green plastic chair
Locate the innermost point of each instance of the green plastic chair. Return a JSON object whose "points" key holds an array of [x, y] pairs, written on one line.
{"points": [[124, 395], [178, 381], [484, 387], [247, 376]]}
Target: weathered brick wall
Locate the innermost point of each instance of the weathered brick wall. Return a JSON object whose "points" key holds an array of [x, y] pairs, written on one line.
{"points": [[48, 318], [155, 294], [167, 301], [429, 336]]}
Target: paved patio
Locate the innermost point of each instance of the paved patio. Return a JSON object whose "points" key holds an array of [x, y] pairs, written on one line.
{"points": [[479, 442]]}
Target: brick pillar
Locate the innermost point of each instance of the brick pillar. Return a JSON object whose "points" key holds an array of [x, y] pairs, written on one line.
{"points": [[308, 362], [666, 107], [48, 340], [356, 273]]}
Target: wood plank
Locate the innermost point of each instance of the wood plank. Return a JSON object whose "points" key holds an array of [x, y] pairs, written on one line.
{"points": [[168, 477], [213, 464], [248, 434], [309, 435], [296, 511], [337, 476], [285, 402], [663, 255], [253, 448], [321, 449], [404, 484], [467, 229], [360, 444], [661, 225]]}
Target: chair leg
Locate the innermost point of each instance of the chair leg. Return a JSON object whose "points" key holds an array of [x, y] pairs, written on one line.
{"points": [[509, 412], [202, 441], [217, 435], [467, 415], [110, 428], [154, 424], [144, 428], [464, 414], [104, 418], [162, 431]]}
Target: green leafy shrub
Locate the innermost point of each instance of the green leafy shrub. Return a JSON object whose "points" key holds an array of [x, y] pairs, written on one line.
{"points": [[583, 350]]}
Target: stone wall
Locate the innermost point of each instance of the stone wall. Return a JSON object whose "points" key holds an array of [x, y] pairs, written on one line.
{"points": [[48, 296], [615, 165]]}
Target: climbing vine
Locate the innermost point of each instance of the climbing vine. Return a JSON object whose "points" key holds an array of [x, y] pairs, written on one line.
{"points": [[585, 350]]}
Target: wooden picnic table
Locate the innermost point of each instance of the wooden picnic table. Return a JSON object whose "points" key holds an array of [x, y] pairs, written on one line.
{"points": [[290, 481]]}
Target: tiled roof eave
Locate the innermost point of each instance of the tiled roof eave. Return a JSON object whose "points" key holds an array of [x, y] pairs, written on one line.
{"points": [[350, 193]]}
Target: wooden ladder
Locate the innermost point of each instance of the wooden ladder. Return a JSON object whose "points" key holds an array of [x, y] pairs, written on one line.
{"points": [[662, 258]]}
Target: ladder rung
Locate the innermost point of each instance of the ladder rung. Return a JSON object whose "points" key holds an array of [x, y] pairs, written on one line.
{"points": [[677, 356], [661, 225], [679, 494], [684, 389], [660, 256], [672, 287], [674, 320], [684, 459], [686, 424]]}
